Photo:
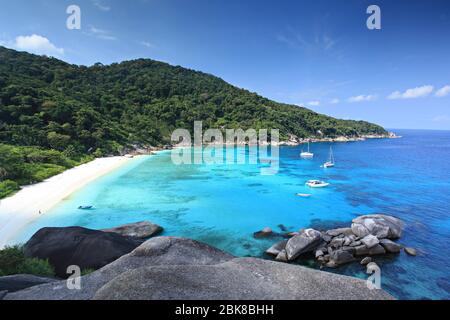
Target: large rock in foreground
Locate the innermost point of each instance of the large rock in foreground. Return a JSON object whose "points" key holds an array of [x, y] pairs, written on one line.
{"points": [[154, 252], [88, 249], [174, 268], [141, 230], [22, 281], [238, 279], [379, 225]]}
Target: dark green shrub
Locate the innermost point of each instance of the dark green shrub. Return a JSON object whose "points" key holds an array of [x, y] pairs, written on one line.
{"points": [[8, 187], [13, 261]]}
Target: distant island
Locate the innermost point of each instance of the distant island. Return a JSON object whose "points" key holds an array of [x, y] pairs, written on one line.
{"points": [[54, 115]]}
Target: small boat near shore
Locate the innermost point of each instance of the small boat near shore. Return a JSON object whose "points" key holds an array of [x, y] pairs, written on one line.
{"points": [[85, 207], [317, 184]]}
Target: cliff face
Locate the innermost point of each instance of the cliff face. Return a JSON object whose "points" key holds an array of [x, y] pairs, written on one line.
{"points": [[166, 268]]}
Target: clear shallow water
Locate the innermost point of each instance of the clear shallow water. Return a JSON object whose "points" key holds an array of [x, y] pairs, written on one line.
{"points": [[224, 204]]}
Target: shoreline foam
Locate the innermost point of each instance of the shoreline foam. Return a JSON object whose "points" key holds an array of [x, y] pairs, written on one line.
{"points": [[32, 201]]}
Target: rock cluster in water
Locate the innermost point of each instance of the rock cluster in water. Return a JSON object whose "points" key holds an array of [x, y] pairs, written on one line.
{"points": [[368, 235]]}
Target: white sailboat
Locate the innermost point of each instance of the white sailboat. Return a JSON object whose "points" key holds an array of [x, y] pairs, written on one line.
{"points": [[307, 154], [330, 162]]}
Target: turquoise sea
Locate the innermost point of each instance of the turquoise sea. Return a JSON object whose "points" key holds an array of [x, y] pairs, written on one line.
{"points": [[224, 204]]}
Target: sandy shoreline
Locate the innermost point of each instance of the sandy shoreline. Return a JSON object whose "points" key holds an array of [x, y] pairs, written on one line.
{"points": [[22, 208]]}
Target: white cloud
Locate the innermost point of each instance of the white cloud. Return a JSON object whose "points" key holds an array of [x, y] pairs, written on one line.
{"points": [[99, 4], [147, 44], [36, 44], [335, 101], [320, 42], [314, 103], [362, 98], [101, 34], [442, 118], [443, 92], [413, 93]]}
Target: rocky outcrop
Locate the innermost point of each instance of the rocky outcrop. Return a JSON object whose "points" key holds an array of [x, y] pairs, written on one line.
{"points": [[390, 246], [238, 279], [379, 225], [306, 241], [368, 236], [154, 252], [22, 281], [276, 248], [339, 257], [370, 241], [141, 230], [88, 249], [174, 268]]}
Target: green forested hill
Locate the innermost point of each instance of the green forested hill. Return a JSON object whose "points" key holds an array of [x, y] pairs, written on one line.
{"points": [[78, 110]]}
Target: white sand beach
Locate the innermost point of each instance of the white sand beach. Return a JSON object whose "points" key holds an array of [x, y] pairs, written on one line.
{"points": [[32, 201]]}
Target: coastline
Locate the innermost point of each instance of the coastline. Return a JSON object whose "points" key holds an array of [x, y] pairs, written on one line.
{"points": [[31, 201], [292, 142]]}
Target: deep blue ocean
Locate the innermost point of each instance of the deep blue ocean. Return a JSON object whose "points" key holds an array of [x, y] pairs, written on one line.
{"points": [[224, 204]]}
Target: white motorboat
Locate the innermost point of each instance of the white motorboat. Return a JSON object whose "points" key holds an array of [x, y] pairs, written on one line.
{"points": [[317, 184], [307, 154]]}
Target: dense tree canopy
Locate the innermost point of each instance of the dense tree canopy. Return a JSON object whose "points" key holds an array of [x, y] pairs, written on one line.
{"points": [[76, 110]]}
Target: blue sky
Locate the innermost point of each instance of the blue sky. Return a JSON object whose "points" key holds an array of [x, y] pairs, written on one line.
{"points": [[319, 53]]}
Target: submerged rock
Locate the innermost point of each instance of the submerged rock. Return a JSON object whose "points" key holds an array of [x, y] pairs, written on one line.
{"points": [[306, 241], [264, 233], [366, 260], [141, 230], [86, 248], [411, 251]]}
